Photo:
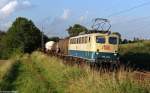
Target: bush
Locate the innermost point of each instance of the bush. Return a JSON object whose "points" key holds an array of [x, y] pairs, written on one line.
{"points": [[136, 54], [23, 35]]}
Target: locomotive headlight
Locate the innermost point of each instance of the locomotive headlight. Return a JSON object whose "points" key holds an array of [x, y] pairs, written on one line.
{"points": [[97, 52], [115, 53]]}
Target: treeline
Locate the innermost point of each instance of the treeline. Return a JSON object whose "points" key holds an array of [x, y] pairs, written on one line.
{"points": [[23, 36], [135, 40]]}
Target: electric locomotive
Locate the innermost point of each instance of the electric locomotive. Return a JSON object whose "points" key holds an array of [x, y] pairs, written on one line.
{"points": [[95, 47]]}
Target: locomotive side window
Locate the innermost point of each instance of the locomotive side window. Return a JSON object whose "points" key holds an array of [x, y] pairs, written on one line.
{"points": [[85, 39], [112, 40], [77, 40], [74, 41], [70, 41], [100, 39], [89, 40], [82, 39]]}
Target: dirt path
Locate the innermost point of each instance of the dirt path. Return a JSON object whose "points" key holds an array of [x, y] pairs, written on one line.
{"points": [[3, 61]]}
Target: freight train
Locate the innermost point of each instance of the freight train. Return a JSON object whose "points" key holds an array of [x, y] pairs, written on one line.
{"points": [[95, 47]]}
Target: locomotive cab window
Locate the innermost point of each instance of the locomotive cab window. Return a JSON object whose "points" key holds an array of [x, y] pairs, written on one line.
{"points": [[113, 40], [100, 39]]}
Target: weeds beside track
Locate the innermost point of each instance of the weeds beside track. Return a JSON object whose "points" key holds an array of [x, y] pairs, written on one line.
{"points": [[39, 73]]}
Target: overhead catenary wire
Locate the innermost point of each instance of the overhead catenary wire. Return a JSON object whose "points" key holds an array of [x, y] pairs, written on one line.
{"points": [[134, 20], [129, 9]]}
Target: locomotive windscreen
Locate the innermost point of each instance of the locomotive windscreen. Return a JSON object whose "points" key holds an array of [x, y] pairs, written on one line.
{"points": [[112, 40]]}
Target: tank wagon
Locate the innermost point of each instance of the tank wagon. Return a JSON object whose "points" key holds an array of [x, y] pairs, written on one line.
{"points": [[49, 45], [93, 47]]}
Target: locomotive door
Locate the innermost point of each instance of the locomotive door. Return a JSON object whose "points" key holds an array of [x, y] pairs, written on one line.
{"points": [[89, 47]]}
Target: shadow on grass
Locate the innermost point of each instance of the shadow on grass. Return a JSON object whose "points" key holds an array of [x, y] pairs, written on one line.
{"points": [[7, 84], [137, 60]]}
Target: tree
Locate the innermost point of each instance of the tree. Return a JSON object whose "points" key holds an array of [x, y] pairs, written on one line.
{"points": [[22, 35], [76, 30], [125, 41], [55, 39], [2, 34]]}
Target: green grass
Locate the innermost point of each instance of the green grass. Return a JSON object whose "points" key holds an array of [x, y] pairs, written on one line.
{"points": [[136, 53], [122, 82], [139, 47], [29, 79], [57, 74], [5, 70], [39, 73]]}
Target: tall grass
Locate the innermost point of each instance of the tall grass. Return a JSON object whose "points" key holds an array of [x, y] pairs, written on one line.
{"points": [[28, 79], [121, 82], [64, 79], [57, 74], [5, 67], [5, 71], [39, 73]]}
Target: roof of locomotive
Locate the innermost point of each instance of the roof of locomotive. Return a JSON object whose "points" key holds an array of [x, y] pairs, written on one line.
{"points": [[95, 32]]}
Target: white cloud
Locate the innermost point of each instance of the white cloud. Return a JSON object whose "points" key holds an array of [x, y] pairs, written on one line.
{"points": [[3, 2], [59, 25], [26, 3], [66, 14], [11, 6], [84, 17]]}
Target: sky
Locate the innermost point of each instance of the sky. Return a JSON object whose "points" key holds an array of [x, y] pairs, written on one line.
{"points": [[131, 18]]}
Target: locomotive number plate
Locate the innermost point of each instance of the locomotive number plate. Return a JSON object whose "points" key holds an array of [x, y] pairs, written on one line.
{"points": [[106, 47]]}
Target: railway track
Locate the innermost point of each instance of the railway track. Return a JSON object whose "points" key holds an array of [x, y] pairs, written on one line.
{"points": [[140, 75]]}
